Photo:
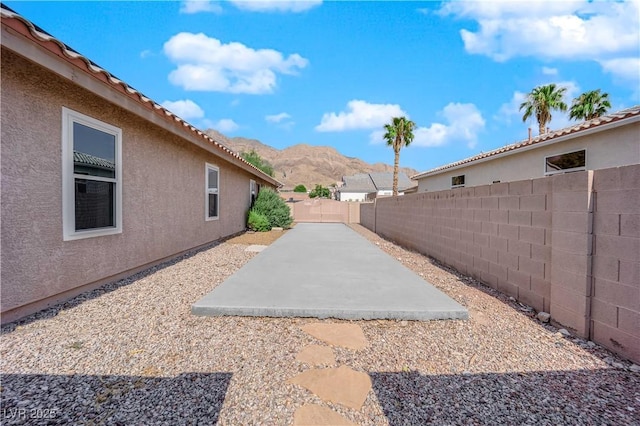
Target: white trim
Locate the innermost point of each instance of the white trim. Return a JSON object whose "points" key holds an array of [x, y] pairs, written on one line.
{"points": [[208, 191], [464, 178], [574, 169], [69, 231]]}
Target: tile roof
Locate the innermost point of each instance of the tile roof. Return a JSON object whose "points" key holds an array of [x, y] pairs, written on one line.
{"points": [[38, 36], [633, 112], [373, 182], [91, 160]]}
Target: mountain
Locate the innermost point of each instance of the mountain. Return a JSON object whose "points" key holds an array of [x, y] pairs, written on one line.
{"points": [[306, 164]]}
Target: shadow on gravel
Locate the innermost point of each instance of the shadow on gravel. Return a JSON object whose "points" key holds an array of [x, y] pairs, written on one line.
{"points": [[555, 397], [191, 398]]}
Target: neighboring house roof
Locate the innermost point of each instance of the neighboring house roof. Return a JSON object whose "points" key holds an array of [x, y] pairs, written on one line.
{"points": [[46, 41], [630, 114], [384, 181], [373, 182], [358, 183]]}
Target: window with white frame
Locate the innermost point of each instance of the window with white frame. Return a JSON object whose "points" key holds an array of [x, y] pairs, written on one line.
{"points": [[91, 177], [567, 162], [457, 181], [212, 195]]}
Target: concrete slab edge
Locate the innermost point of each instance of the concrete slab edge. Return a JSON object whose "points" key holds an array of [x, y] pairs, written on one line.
{"points": [[350, 314]]}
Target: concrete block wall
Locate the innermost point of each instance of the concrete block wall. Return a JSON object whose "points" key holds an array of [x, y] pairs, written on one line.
{"points": [[567, 244], [615, 302]]}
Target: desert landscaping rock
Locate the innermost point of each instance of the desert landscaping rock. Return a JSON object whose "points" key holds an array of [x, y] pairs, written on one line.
{"points": [[543, 316], [317, 415], [131, 353], [338, 334], [316, 355], [341, 385], [256, 248]]}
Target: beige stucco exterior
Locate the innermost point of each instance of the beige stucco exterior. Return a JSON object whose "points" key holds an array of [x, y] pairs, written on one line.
{"points": [[612, 146], [163, 181]]}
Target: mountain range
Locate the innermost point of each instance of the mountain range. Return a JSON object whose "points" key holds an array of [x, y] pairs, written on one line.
{"points": [[305, 164]]}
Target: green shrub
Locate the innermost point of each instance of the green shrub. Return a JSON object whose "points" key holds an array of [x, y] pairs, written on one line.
{"points": [[320, 192], [258, 222], [300, 188], [269, 204]]}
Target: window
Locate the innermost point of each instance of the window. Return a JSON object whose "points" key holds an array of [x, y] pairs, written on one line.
{"points": [[569, 162], [91, 177], [253, 192], [457, 181], [212, 195]]}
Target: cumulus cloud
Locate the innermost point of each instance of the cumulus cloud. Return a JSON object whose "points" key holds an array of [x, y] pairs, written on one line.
{"points": [[277, 118], [197, 6], [576, 30], [463, 122], [549, 71], [185, 109], [360, 115], [223, 125], [207, 64], [294, 6]]}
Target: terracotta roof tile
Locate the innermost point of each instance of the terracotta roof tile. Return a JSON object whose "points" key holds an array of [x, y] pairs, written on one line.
{"points": [[47, 41]]}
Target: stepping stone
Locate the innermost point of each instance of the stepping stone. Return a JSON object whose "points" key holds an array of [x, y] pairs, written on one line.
{"points": [[316, 355], [317, 415], [347, 335], [341, 385], [256, 248]]}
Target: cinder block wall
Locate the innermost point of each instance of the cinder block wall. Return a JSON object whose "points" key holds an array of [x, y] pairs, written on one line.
{"points": [[536, 241], [615, 302]]}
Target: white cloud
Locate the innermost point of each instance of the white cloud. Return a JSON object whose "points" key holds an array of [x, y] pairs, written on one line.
{"points": [[185, 109], [549, 71], [146, 53], [277, 118], [463, 123], [360, 115], [624, 68], [224, 125], [295, 6], [197, 6], [206, 64], [511, 108], [576, 30]]}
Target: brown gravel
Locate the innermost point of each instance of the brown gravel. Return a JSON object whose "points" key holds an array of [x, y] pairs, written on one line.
{"points": [[131, 353], [261, 238]]}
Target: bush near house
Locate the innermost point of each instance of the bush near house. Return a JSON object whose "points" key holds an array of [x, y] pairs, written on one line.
{"points": [[300, 188], [258, 222], [273, 208]]}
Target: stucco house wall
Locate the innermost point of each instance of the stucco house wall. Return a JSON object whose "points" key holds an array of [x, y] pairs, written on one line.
{"points": [[353, 196], [610, 147], [163, 181]]}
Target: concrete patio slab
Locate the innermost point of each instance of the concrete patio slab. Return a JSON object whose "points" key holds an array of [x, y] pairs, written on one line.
{"points": [[327, 271]]}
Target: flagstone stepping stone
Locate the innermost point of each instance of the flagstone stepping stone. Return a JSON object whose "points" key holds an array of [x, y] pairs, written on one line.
{"points": [[255, 248], [317, 415], [347, 335], [341, 385], [316, 355]]}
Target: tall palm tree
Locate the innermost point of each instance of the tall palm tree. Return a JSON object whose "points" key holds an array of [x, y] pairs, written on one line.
{"points": [[398, 133], [541, 101], [589, 105]]}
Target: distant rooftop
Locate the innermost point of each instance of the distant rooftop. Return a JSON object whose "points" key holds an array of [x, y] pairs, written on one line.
{"points": [[373, 182]]}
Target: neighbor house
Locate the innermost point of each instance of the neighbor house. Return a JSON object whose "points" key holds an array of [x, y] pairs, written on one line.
{"points": [[99, 181], [608, 141], [368, 186]]}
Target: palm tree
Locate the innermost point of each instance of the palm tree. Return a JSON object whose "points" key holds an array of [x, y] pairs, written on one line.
{"points": [[592, 104], [398, 133], [541, 101]]}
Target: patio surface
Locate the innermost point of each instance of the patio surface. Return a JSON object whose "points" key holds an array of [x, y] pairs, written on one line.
{"points": [[327, 271]]}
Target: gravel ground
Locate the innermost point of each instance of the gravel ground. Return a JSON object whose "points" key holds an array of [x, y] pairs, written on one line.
{"points": [[131, 353]]}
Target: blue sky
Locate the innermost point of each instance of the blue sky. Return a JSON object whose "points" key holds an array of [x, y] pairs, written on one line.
{"points": [[332, 73]]}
